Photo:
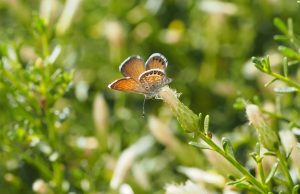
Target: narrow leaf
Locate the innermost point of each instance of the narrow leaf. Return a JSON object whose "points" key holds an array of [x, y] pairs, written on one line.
{"points": [[200, 116], [290, 27], [272, 172], [285, 89], [258, 64], [289, 52], [227, 146], [268, 153], [206, 123], [285, 67], [266, 64], [199, 145], [237, 181], [254, 156], [291, 63], [296, 189], [289, 154], [280, 25], [270, 82], [200, 120], [239, 104], [257, 149], [54, 55], [280, 181], [281, 38]]}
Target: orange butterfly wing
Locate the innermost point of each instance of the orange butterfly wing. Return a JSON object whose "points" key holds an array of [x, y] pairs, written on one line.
{"points": [[127, 85]]}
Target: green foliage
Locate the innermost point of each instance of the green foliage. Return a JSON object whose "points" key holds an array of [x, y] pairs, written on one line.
{"points": [[34, 91]]}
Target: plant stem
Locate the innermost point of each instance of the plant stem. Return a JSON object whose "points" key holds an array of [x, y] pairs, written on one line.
{"points": [[281, 117], [37, 163], [187, 120], [261, 171], [45, 45], [285, 79], [284, 167], [261, 188]]}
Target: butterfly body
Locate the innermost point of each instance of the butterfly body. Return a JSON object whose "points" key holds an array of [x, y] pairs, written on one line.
{"points": [[143, 78]]}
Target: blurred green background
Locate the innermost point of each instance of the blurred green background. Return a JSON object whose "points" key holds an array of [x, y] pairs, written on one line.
{"points": [[208, 45]]}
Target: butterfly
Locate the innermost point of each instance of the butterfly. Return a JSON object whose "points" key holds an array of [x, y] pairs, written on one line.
{"points": [[143, 78]]}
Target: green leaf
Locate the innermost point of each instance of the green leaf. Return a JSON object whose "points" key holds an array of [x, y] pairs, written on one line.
{"points": [[262, 64], [294, 62], [270, 82], [280, 25], [266, 64], [227, 146], [237, 181], [39, 25], [296, 189], [281, 38], [280, 181], [199, 145], [200, 120], [289, 154], [256, 100], [206, 123], [272, 172], [257, 63], [254, 156], [200, 116], [231, 177], [268, 153], [290, 27], [243, 186], [285, 89], [54, 55], [257, 148], [239, 104], [285, 67], [289, 52]]}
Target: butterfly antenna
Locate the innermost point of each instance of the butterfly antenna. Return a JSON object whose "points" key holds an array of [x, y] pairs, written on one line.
{"points": [[143, 113]]}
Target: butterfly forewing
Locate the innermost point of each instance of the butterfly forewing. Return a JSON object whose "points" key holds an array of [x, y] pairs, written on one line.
{"points": [[132, 67], [127, 85], [157, 61]]}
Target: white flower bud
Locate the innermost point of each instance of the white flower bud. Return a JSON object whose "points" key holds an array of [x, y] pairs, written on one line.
{"points": [[127, 158], [188, 188], [67, 15], [40, 186], [267, 137]]}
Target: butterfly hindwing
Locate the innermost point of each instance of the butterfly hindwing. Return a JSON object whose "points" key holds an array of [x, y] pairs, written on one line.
{"points": [[152, 79], [157, 61]]}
